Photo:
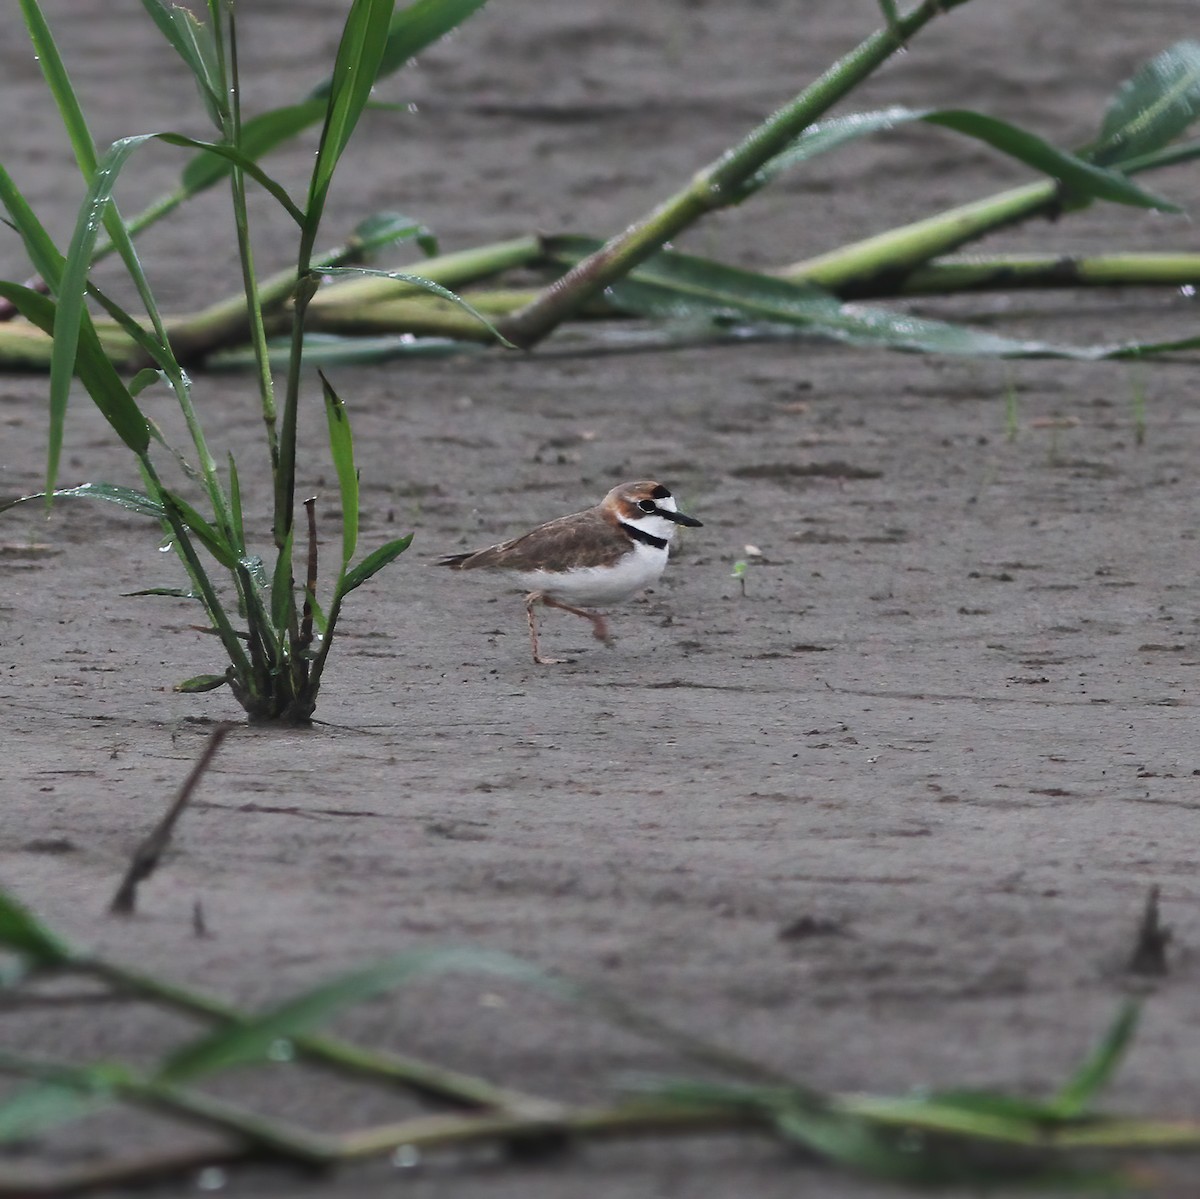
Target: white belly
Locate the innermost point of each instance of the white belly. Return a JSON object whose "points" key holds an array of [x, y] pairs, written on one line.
{"points": [[599, 585]]}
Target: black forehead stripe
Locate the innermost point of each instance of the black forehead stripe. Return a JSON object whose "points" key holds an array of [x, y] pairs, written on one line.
{"points": [[644, 537], [660, 493]]}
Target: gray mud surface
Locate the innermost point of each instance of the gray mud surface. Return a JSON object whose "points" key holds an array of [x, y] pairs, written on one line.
{"points": [[886, 821]]}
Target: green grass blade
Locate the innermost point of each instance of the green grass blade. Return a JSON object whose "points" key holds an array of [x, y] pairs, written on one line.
{"points": [[42, 1106], [281, 586], [359, 55], [45, 256], [194, 42], [123, 497], [95, 371], [341, 447], [21, 932], [374, 562], [208, 536], [252, 1039], [1153, 107], [59, 82], [673, 285], [1076, 1097], [385, 229], [260, 134], [419, 281], [412, 29], [233, 156], [70, 312], [1084, 179], [202, 682], [235, 506]]}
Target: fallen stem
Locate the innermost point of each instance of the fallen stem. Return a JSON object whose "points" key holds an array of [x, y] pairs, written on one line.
{"points": [[717, 185], [421, 1078]]}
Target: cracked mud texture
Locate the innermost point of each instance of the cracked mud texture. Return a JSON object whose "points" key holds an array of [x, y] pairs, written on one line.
{"points": [[886, 821]]}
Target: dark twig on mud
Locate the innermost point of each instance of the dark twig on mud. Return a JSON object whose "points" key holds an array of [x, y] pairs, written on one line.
{"points": [[145, 857], [1149, 955]]}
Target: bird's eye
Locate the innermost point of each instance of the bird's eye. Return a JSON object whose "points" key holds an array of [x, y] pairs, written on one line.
{"points": [[647, 505]]}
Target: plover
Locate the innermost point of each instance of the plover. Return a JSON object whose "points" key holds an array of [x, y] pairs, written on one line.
{"points": [[600, 556]]}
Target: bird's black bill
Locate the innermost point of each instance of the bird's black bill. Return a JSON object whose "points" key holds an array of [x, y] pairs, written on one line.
{"points": [[681, 519]]}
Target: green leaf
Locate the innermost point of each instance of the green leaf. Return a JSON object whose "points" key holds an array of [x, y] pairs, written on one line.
{"points": [[1153, 107], [208, 536], [318, 613], [234, 157], [124, 497], [359, 55], [259, 135], [282, 602], [41, 1106], [373, 563], [45, 256], [1082, 178], [412, 29], [235, 506], [21, 932], [202, 682], [1076, 1097], [70, 312], [146, 377], [341, 447], [681, 286], [426, 285], [386, 228], [168, 592], [95, 371], [251, 1040], [1085, 179], [59, 82], [195, 43]]}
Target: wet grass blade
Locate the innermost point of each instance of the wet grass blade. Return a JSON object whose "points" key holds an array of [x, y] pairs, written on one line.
{"points": [[208, 536], [194, 42], [1153, 107], [235, 157], [59, 82], [427, 285], [252, 1040], [681, 286], [374, 562], [123, 497], [359, 55], [202, 682], [385, 229], [281, 585], [412, 29], [259, 135], [1085, 180], [92, 365], [1102, 1063], [46, 257], [341, 447]]}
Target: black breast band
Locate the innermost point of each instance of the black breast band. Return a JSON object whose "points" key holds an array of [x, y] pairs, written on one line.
{"points": [[659, 543]]}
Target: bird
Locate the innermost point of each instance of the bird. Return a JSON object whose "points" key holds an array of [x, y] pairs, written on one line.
{"points": [[602, 555]]}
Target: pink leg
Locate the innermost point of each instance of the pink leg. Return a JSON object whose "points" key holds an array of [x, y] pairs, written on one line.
{"points": [[531, 599], [599, 624]]}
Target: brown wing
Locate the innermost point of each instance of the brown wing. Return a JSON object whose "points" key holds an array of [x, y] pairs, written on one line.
{"points": [[584, 539]]}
